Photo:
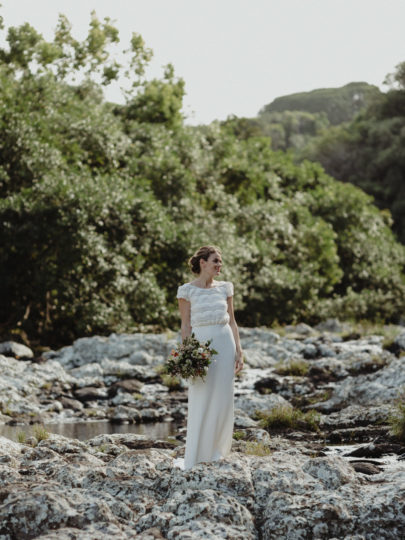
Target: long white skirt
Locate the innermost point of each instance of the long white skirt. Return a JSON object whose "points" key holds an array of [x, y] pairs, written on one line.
{"points": [[211, 402]]}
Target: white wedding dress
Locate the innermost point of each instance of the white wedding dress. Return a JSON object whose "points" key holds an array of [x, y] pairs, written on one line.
{"points": [[210, 402]]}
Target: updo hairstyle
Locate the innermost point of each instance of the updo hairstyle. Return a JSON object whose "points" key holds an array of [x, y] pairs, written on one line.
{"points": [[203, 253]]}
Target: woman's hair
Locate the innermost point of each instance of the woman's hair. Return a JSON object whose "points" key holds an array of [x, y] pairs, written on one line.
{"points": [[203, 253]]}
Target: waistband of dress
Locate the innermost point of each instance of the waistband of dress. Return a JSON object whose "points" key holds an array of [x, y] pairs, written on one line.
{"points": [[201, 325]]}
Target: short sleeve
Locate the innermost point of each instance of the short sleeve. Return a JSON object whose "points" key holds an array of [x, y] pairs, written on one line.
{"points": [[229, 288], [183, 292]]}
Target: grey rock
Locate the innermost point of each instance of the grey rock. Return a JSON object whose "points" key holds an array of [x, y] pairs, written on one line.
{"points": [[310, 351], [332, 325], [265, 402], [90, 393], [70, 403], [301, 329], [18, 350], [325, 350], [372, 389], [400, 341], [128, 385], [333, 472], [126, 486], [242, 420], [126, 414], [357, 415]]}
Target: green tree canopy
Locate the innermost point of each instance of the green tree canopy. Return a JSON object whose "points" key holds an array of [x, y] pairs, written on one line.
{"points": [[370, 151], [102, 204]]}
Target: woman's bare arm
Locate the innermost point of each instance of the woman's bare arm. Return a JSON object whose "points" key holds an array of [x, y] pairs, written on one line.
{"points": [[235, 331], [185, 308]]}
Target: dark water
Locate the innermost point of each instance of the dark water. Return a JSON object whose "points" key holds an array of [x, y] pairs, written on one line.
{"points": [[87, 430]]}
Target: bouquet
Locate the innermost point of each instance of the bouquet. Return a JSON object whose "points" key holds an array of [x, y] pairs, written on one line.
{"points": [[190, 359]]}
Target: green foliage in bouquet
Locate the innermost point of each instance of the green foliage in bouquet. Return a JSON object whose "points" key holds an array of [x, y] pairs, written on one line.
{"points": [[190, 359]]}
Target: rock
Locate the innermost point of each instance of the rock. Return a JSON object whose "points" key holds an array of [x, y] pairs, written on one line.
{"points": [[357, 415], [40, 508], [268, 383], [331, 325], [265, 402], [333, 472], [88, 371], [301, 329], [9, 448], [310, 351], [200, 513], [70, 403], [371, 389], [256, 359], [116, 348], [4, 418], [128, 385], [153, 415], [142, 358], [377, 450], [399, 342], [18, 350], [242, 420], [126, 486], [125, 414], [133, 441], [90, 393], [365, 467]]}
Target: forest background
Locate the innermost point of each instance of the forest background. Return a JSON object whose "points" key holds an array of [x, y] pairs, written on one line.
{"points": [[103, 203]]}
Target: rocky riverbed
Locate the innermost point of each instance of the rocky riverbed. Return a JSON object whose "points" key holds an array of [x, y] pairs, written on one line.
{"points": [[278, 482]]}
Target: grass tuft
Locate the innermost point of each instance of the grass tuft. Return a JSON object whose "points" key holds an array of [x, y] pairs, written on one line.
{"points": [[292, 367], [40, 433], [172, 382], [239, 435], [284, 416], [21, 437], [397, 420], [257, 449]]}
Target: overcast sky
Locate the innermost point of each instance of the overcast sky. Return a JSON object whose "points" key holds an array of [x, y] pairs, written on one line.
{"points": [[238, 55]]}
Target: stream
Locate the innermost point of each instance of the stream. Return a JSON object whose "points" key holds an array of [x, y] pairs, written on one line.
{"points": [[88, 430]]}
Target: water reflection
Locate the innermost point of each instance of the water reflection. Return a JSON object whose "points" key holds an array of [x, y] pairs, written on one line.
{"points": [[87, 430]]}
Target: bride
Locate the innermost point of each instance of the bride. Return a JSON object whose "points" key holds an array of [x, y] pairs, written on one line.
{"points": [[206, 308]]}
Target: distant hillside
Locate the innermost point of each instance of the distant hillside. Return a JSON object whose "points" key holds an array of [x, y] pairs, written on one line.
{"points": [[340, 104]]}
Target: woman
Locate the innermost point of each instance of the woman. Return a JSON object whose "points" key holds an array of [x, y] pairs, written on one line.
{"points": [[206, 309]]}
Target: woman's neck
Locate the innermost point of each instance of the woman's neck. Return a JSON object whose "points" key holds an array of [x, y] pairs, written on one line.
{"points": [[205, 282]]}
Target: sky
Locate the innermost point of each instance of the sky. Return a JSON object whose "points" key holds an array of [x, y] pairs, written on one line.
{"points": [[238, 55]]}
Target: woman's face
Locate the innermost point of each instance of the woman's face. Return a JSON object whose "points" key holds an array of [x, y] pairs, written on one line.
{"points": [[213, 264]]}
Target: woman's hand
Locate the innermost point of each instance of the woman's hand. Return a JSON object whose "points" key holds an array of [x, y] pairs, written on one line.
{"points": [[238, 361]]}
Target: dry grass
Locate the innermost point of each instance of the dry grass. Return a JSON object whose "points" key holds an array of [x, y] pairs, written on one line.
{"points": [[284, 416], [172, 382], [397, 419], [292, 367], [257, 449], [21, 437], [40, 433]]}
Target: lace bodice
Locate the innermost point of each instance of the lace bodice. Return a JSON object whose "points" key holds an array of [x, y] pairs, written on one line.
{"points": [[208, 306]]}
